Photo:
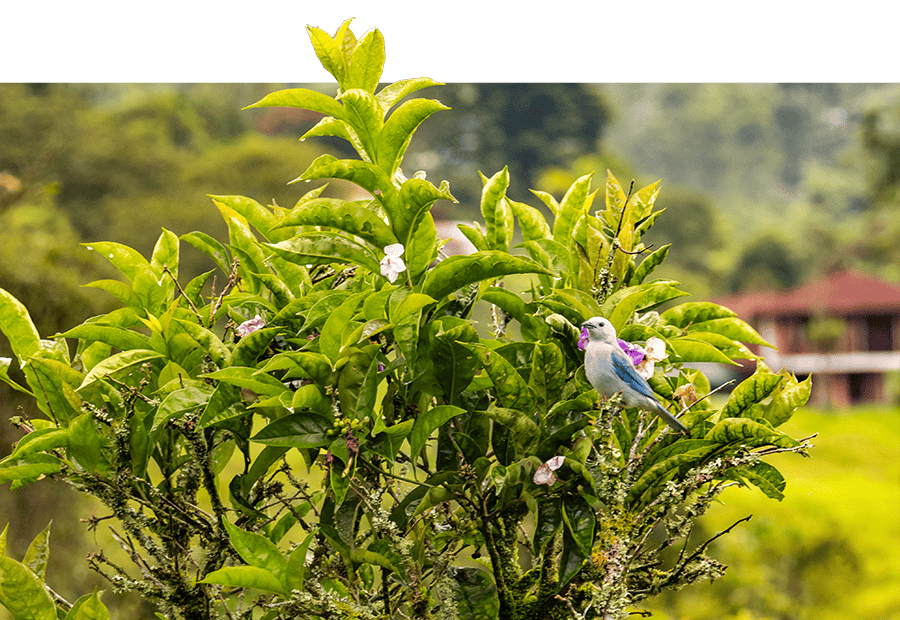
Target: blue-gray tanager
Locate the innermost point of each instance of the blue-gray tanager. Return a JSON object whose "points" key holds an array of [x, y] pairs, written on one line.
{"points": [[610, 371]]}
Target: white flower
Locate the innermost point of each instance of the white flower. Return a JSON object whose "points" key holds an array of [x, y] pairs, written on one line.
{"points": [[654, 351], [392, 264], [248, 327], [544, 473]]}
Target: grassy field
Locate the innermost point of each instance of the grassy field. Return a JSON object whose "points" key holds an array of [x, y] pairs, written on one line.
{"points": [[830, 549]]}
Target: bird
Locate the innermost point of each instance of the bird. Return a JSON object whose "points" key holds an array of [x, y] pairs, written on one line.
{"points": [[610, 371]]}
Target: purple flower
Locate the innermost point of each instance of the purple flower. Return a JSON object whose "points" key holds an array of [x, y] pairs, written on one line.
{"points": [[248, 327], [633, 351], [582, 342]]}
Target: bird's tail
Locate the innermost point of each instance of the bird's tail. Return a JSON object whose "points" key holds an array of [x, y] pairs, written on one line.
{"points": [[671, 420]]}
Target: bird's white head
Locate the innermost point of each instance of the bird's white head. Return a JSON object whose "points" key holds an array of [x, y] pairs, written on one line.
{"points": [[600, 330]]}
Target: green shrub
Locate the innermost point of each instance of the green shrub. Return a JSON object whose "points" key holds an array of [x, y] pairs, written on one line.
{"points": [[324, 432]]}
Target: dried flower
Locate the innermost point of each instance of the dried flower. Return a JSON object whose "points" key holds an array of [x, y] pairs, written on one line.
{"points": [[544, 473], [654, 351]]}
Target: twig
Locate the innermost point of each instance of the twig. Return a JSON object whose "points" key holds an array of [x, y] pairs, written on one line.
{"points": [[702, 548], [686, 409], [181, 290]]}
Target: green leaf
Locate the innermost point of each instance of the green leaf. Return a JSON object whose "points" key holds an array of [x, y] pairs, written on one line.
{"points": [[691, 312], [548, 200], [38, 553], [768, 479], [355, 218], [750, 392], [689, 349], [525, 433], [18, 328], [399, 128], [249, 378], [475, 235], [367, 62], [178, 403], [298, 430], [301, 98], [246, 577], [118, 289], [387, 443], [429, 422], [165, 253], [124, 258], [571, 560], [666, 464], [329, 53], [261, 218], [793, 394], [330, 126], [552, 255], [410, 304], [89, 607], [86, 444], [512, 390], [747, 431], [28, 468], [4, 376], [41, 440], [337, 325], [113, 335], [302, 364], [251, 346], [393, 93], [549, 520], [208, 341], [474, 594], [257, 550], [322, 248], [417, 196], [579, 519], [454, 364], [55, 383], [458, 271], [365, 117], [532, 222], [650, 262], [357, 382], [212, 248], [573, 206], [296, 564], [23, 594], [118, 363], [731, 327], [496, 211], [619, 306], [365, 174], [548, 375]]}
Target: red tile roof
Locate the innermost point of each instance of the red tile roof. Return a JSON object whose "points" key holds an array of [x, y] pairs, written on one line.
{"points": [[839, 294]]}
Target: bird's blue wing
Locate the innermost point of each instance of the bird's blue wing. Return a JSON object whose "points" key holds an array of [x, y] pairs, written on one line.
{"points": [[624, 370]]}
